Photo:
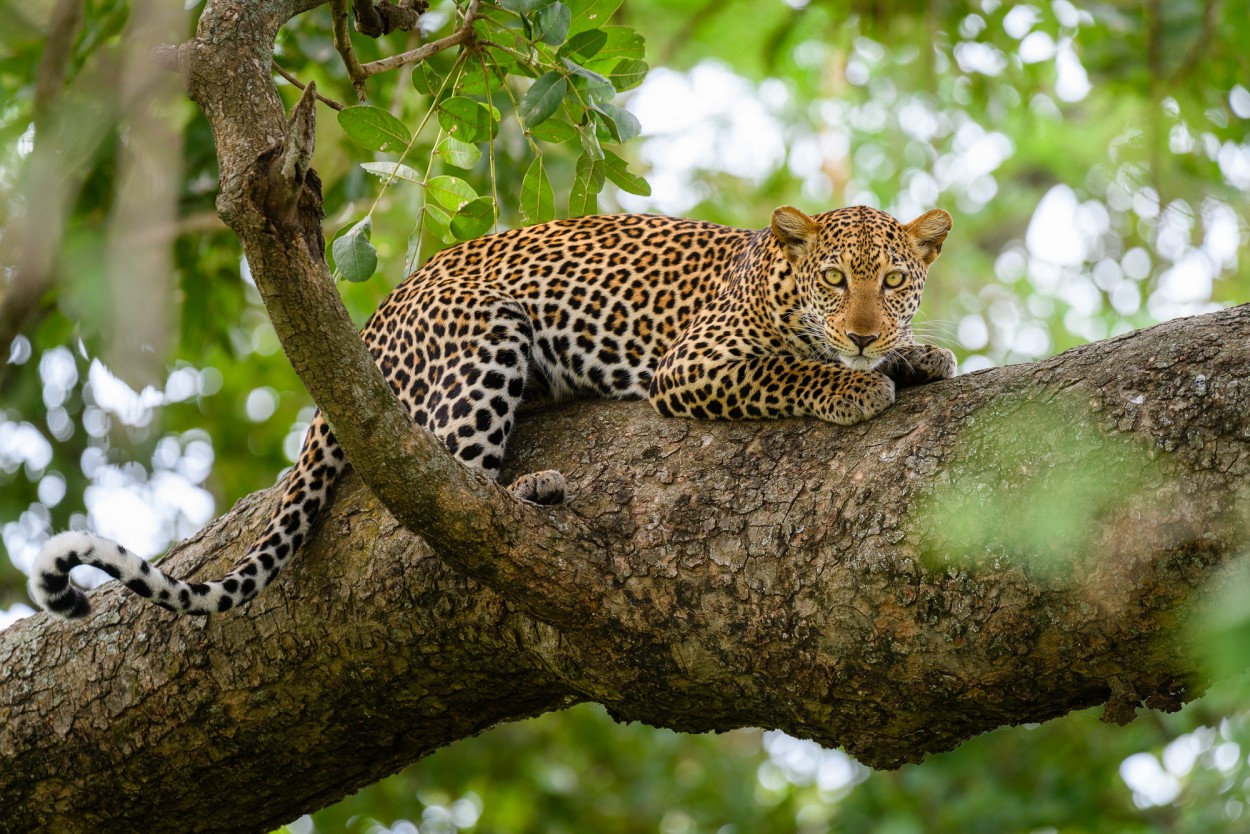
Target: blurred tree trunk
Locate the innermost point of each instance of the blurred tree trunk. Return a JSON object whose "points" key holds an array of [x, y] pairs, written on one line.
{"points": [[1000, 548]]}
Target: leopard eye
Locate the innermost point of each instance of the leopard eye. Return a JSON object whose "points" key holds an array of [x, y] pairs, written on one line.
{"points": [[895, 279], [836, 277]]}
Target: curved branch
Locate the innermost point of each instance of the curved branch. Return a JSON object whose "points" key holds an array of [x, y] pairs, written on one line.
{"points": [[469, 520], [894, 587], [343, 43]]}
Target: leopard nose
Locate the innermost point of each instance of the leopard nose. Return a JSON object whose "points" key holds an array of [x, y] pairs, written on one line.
{"points": [[862, 341]]}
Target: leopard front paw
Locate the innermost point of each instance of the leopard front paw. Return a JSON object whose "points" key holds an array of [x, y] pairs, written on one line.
{"points": [[545, 487], [862, 396], [918, 364]]}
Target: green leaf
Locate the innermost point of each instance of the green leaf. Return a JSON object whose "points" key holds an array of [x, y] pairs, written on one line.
{"points": [[538, 202], [468, 120], [589, 182], [438, 223], [554, 131], [618, 172], [478, 81], [392, 171], [451, 192], [584, 45], [551, 25], [623, 124], [623, 42], [590, 14], [579, 70], [627, 74], [374, 128], [355, 259], [425, 80], [593, 85], [524, 6], [474, 219], [590, 142], [542, 99], [460, 154]]}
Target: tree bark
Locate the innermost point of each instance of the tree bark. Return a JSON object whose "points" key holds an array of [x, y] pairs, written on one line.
{"points": [[894, 587]]}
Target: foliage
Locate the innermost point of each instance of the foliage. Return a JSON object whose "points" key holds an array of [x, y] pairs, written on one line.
{"points": [[1095, 160], [577, 67], [577, 771]]}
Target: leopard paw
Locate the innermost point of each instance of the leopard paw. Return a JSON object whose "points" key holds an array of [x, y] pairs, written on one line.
{"points": [[918, 364], [546, 487], [863, 395]]}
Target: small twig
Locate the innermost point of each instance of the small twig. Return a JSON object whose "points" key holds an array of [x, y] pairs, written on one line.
{"points": [[343, 43], [524, 59], [328, 102], [425, 51]]}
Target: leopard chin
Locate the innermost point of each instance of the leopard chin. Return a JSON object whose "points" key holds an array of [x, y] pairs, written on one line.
{"points": [[859, 362]]}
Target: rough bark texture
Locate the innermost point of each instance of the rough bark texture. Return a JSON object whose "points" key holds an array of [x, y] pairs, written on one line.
{"points": [[783, 574], [1002, 547]]}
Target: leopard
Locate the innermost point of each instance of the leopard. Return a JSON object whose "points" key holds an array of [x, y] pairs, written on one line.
{"points": [[807, 317]]}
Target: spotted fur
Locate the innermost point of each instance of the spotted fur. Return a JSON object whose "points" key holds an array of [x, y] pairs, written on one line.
{"points": [[808, 317]]}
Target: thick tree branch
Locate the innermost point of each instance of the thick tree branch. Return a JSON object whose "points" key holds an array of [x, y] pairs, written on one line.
{"points": [[894, 587]]}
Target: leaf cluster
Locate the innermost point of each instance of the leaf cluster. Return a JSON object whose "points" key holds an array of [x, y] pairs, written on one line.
{"points": [[550, 67]]}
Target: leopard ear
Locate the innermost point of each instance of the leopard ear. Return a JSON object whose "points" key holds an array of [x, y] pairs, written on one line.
{"points": [[794, 230], [927, 232]]}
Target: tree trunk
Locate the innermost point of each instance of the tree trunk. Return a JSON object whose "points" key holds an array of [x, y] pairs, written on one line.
{"points": [[1003, 547]]}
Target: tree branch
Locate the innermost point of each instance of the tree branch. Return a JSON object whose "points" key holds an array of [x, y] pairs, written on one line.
{"points": [[894, 587], [380, 19], [343, 43], [470, 520], [295, 82]]}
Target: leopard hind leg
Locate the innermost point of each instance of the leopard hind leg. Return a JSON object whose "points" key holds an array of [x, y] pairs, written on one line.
{"points": [[545, 487], [477, 385]]}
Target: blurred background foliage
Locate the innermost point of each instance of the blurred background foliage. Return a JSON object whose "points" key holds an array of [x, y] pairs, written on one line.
{"points": [[1094, 156]]}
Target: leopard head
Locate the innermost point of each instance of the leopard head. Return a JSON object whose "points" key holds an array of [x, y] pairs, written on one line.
{"points": [[859, 274]]}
